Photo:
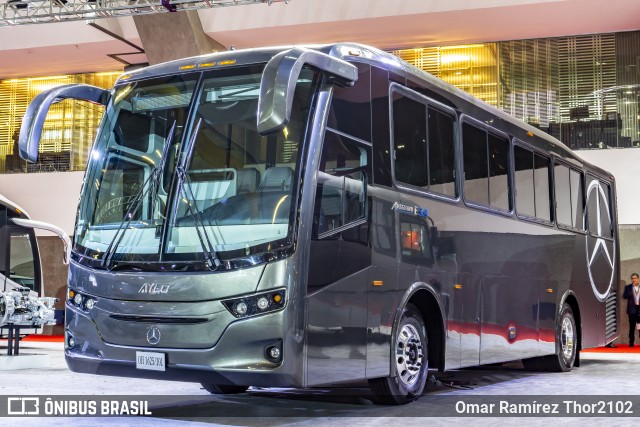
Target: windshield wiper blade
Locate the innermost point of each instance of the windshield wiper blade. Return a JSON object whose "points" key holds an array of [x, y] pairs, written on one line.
{"points": [[210, 254], [151, 184]]}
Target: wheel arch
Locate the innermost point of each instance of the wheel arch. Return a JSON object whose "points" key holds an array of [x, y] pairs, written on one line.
{"points": [[570, 298], [424, 297]]}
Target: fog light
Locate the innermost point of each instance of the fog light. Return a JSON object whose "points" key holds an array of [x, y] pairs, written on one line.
{"points": [[72, 342], [240, 308], [78, 299], [263, 303], [274, 353], [90, 303]]}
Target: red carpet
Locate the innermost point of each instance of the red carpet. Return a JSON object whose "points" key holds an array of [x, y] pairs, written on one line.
{"points": [[620, 348], [44, 338]]}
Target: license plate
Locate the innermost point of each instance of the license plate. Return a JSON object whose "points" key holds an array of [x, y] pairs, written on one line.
{"points": [[150, 361]]}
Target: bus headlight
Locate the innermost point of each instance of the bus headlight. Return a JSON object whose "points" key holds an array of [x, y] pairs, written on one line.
{"points": [[254, 305], [83, 302]]}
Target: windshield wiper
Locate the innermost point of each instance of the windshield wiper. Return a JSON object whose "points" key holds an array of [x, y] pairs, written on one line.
{"points": [[210, 254], [150, 185]]}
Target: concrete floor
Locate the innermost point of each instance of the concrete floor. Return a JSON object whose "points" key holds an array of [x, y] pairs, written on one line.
{"points": [[612, 374]]}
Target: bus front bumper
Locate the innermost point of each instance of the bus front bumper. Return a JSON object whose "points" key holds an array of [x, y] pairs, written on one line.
{"points": [[238, 358]]}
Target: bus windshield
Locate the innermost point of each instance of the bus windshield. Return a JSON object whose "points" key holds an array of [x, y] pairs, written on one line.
{"points": [[179, 172]]}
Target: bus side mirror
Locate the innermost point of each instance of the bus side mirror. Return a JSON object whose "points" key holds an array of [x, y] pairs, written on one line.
{"points": [[66, 241], [33, 120], [281, 76]]}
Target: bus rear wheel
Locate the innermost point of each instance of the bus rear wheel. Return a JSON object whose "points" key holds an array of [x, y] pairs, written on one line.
{"points": [[223, 389], [410, 360], [566, 343]]}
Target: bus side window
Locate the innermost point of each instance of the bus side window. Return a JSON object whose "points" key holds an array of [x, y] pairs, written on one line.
{"points": [[532, 184], [569, 199], [486, 165], [351, 106], [342, 178], [415, 243], [21, 261]]}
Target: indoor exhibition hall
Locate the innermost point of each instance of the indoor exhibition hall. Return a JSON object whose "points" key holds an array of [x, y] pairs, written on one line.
{"points": [[303, 212]]}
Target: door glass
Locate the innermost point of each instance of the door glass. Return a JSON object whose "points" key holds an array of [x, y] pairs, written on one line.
{"points": [[21, 265]]}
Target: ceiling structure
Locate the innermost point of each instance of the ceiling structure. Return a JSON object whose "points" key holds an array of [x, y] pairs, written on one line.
{"points": [[94, 46]]}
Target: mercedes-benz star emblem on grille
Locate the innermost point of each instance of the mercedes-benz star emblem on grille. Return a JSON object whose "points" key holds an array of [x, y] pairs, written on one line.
{"points": [[599, 250], [153, 335]]}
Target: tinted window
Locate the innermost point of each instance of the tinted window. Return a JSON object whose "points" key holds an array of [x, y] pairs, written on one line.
{"points": [[380, 125], [532, 184], [486, 166], [415, 243], [476, 170], [562, 186], [424, 146], [498, 172], [568, 190], [523, 161], [351, 106], [541, 181], [340, 195], [577, 198], [410, 141], [21, 262], [441, 153]]}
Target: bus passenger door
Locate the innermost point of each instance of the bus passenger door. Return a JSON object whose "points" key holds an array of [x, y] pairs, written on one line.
{"points": [[339, 261]]}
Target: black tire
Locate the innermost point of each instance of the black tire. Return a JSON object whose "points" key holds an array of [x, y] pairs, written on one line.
{"points": [[566, 342], [411, 362], [224, 389]]}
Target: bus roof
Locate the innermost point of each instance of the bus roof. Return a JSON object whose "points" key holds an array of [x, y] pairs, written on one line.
{"points": [[347, 51]]}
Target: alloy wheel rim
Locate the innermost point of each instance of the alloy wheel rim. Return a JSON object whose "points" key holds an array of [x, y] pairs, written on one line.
{"points": [[567, 338], [409, 355]]}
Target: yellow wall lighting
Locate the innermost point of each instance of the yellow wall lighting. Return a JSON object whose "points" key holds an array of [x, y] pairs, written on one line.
{"points": [[67, 134]]}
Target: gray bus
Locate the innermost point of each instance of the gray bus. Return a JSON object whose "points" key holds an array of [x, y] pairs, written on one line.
{"points": [[324, 215]]}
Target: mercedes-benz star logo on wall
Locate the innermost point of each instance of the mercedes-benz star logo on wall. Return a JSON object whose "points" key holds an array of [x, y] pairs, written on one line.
{"points": [[153, 335], [599, 250]]}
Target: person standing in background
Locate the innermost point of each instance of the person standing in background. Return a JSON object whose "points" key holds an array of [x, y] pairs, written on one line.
{"points": [[632, 295]]}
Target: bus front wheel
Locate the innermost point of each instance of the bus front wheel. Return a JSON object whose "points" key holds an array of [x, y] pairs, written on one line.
{"points": [[223, 389], [410, 360]]}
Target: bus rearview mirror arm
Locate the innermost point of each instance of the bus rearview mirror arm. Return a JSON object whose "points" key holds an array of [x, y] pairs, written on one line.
{"points": [[66, 241], [33, 120], [279, 83]]}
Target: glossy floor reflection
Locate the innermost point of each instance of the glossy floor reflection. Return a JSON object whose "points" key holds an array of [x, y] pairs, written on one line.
{"points": [[604, 373]]}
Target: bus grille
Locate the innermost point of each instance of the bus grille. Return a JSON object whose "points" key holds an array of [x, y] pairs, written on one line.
{"points": [[611, 314], [153, 319]]}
